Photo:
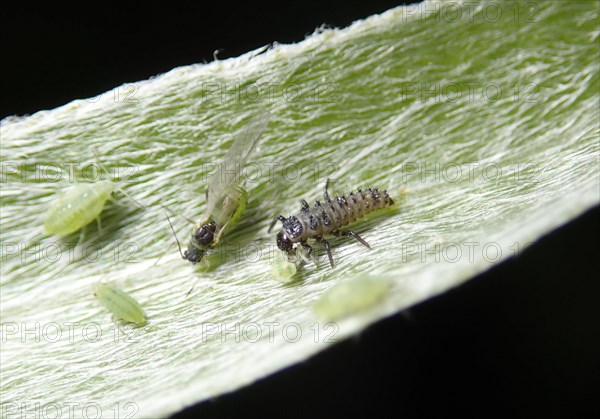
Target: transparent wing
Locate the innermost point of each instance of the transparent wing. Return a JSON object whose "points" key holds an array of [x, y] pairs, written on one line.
{"points": [[228, 172]]}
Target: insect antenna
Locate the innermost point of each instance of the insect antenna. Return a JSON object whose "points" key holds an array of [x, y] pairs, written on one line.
{"points": [[97, 156], [192, 289], [176, 213], [175, 234]]}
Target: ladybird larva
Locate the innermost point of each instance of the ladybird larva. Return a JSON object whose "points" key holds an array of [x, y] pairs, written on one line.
{"points": [[349, 297], [120, 304], [328, 218]]}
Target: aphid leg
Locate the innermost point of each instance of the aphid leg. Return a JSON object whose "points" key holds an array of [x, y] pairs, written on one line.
{"points": [[278, 218], [192, 289], [206, 266], [328, 248], [218, 236], [120, 203], [349, 233], [99, 225], [105, 170], [81, 235]]}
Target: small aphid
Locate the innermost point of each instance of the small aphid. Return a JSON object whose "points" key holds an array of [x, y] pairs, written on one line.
{"points": [[79, 206], [327, 218], [121, 305], [282, 269], [225, 197], [349, 297]]}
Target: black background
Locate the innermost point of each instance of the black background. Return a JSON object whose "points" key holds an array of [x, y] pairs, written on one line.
{"points": [[521, 340]]}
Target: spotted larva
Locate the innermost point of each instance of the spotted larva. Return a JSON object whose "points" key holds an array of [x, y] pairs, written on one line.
{"points": [[225, 197], [121, 304], [327, 218], [79, 206], [349, 297]]}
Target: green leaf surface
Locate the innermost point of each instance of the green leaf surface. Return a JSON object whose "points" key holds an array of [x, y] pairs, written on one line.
{"points": [[483, 127]]}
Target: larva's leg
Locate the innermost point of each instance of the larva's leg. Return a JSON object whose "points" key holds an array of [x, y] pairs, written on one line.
{"points": [[308, 249], [328, 248], [325, 193], [305, 207], [278, 218], [349, 233]]}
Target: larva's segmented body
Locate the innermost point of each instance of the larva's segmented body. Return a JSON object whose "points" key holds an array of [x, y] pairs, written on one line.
{"points": [[328, 217]]}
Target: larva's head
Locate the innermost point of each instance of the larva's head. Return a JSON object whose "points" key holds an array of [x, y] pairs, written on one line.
{"points": [[290, 233], [283, 242]]}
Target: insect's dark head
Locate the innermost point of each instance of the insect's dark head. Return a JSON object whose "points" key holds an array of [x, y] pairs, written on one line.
{"points": [[291, 230], [193, 254], [283, 242], [205, 234]]}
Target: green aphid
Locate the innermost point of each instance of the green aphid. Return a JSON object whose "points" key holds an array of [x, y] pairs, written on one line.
{"points": [[80, 205], [351, 296], [77, 207], [282, 269], [225, 197], [120, 304], [285, 266]]}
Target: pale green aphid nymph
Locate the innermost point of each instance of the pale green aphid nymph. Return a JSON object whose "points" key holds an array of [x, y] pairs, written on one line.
{"points": [[285, 266], [77, 207], [121, 305], [351, 296], [282, 269]]}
